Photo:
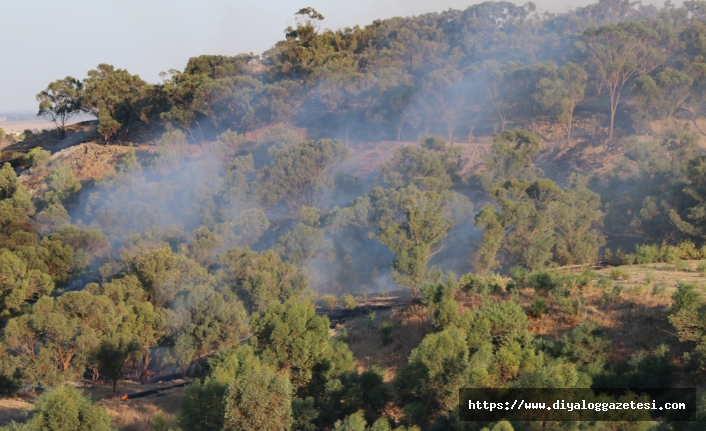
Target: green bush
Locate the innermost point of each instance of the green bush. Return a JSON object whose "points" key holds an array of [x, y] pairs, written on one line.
{"points": [[611, 296], [701, 268], [386, 332], [349, 301], [539, 306], [66, 408], [647, 253], [37, 157], [619, 273], [482, 284]]}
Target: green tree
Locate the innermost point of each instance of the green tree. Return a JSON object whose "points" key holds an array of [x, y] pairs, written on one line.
{"points": [[562, 93], [435, 371], [261, 279], [512, 153], [260, 401], [57, 339], [19, 285], [300, 174], [203, 407], [205, 321], [417, 239], [115, 97], [60, 101], [619, 52], [539, 223], [292, 338], [63, 185]]}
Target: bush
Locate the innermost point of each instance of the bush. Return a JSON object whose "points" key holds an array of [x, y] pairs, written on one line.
{"points": [[619, 274], [680, 265], [66, 408], [647, 254], [37, 157], [701, 268], [611, 296], [349, 301], [482, 284], [539, 306], [386, 332]]}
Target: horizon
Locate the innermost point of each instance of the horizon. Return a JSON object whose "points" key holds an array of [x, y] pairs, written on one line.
{"points": [[157, 29]]}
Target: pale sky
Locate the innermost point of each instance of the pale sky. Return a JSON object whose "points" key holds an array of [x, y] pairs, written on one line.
{"points": [[43, 40]]}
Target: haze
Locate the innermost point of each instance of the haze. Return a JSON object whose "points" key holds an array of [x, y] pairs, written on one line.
{"points": [[44, 40]]}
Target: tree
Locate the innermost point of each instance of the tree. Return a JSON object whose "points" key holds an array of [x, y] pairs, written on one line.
{"points": [[203, 407], [561, 94], [60, 101], [63, 185], [66, 408], [618, 53], [300, 174], [261, 279], [417, 239], [19, 285], [57, 339], [435, 371], [433, 165], [205, 322], [539, 223], [259, 401], [292, 338], [114, 96], [512, 153]]}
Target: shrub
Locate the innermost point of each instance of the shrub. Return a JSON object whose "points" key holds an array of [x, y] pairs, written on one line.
{"points": [[701, 268], [539, 306], [330, 301], [687, 250], [611, 296], [483, 284], [66, 408], [37, 157], [604, 282], [349, 301], [371, 318], [618, 273], [659, 290], [649, 277], [386, 332], [646, 254], [679, 265]]}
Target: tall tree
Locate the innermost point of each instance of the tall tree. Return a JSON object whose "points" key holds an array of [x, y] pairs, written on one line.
{"points": [[60, 101], [115, 97], [561, 94], [417, 239], [618, 53]]}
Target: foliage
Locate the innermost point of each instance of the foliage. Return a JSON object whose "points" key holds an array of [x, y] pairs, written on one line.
{"points": [[416, 240], [291, 338], [66, 408], [260, 400], [61, 100], [539, 223], [37, 157], [299, 175]]}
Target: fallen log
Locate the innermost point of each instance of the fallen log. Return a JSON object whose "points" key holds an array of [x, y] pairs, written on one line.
{"points": [[151, 392]]}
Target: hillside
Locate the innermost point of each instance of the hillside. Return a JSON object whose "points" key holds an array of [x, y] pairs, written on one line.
{"points": [[342, 232]]}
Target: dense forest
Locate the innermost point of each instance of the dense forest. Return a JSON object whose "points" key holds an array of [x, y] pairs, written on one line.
{"points": [[243, 210]]}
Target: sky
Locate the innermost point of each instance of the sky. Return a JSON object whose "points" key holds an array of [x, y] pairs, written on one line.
{"points": [[44, 40]]}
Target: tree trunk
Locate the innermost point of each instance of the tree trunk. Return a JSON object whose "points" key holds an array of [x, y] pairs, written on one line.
{"points": [[144, 374]]}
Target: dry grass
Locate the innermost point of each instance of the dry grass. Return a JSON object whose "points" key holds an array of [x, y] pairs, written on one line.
{"points": [[13, 409], [137, 414], [412, 325]]}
